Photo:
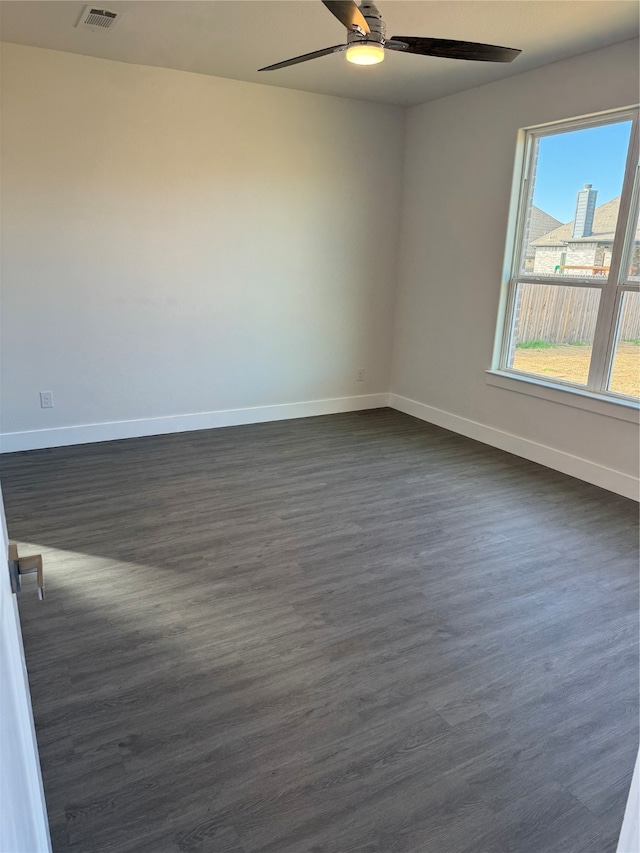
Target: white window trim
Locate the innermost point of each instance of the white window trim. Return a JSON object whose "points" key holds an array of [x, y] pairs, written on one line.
{"points": [[589, 396], [621, 408]]}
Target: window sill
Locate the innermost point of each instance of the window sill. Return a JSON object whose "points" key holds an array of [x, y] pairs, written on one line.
{"points": [[611, 407]]}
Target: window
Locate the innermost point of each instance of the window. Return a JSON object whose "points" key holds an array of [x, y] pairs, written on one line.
{"points": [[573, 308]]}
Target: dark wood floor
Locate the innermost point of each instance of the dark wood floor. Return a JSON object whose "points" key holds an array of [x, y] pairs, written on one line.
{"points": [[346, 634]]}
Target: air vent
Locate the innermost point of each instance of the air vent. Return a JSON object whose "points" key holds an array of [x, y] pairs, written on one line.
{"points": [[97, 19]]}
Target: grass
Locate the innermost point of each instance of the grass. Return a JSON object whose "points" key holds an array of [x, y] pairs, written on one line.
{"points": [[552, 344], [534, 345], [634, 341], [572, 364]]}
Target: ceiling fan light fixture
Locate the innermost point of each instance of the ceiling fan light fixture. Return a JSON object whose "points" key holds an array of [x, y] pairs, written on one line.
{"points": [[367, 41], [365, 53]]}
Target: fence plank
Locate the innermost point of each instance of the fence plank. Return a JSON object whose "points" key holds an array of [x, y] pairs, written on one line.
{"points": [[567, 315]]}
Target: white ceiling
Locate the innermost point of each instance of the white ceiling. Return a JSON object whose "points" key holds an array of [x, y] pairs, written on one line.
{"points": [[234, 39]]}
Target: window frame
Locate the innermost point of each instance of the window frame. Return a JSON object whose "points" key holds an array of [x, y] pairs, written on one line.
{"points": [[611, 290]]}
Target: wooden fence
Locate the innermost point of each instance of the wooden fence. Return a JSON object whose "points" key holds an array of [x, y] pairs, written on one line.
{"points": [[567, 315]]}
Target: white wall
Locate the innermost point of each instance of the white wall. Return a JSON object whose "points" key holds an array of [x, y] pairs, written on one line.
{"points": [[177, 244], [457, 185], [174, 243]]}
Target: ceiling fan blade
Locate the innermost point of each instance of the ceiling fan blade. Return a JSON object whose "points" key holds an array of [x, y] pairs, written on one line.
{"points": [[305, 57], [451, 49], [348, 14]]}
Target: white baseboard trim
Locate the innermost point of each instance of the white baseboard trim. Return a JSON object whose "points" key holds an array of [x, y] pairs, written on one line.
{"points": [[11, 442], [575, 466]]}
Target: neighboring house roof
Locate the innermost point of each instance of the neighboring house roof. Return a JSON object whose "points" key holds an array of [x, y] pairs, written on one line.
{"points": [[540, 223], [602, 231]]}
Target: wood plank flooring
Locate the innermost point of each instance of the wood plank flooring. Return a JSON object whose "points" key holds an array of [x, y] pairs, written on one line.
{"points": [[346, 634]]}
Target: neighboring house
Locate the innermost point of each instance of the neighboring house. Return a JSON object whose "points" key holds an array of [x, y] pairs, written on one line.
{"points": [[582, 246], [540, 223]]}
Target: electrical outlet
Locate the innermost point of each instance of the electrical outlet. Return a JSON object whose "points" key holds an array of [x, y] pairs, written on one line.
{"points": [[46, 400], [360, 374]]}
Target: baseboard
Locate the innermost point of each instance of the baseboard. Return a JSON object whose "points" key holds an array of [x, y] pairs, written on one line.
{"points": [[575, 466], [10, 442]]}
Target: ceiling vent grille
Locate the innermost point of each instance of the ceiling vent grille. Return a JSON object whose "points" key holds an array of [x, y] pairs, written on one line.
{"points": [[97, 19]]}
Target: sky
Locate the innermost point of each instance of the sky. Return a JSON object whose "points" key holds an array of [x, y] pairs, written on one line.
{"points": [[568, 161]]}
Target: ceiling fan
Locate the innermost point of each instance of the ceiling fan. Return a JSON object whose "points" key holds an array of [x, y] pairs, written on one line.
{"points": [[367, 41]]}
